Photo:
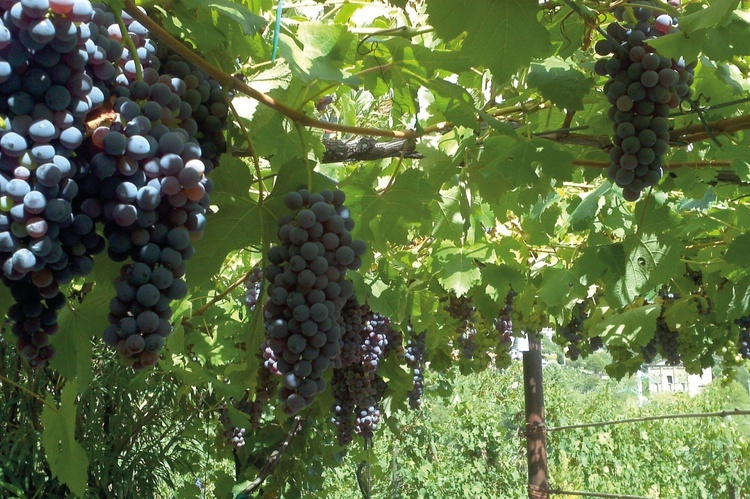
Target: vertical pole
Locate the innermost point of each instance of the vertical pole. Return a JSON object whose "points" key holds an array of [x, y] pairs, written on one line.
{"points": [[536, 436]]}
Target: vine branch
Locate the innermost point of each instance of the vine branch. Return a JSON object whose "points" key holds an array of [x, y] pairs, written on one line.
{"points": [[274, 459], [230, 81]]}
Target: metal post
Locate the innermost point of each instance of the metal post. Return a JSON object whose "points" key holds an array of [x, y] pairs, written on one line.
{"points": [[536, 435]]}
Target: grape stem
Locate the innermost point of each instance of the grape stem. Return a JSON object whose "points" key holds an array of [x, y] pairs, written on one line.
{"points": [[127, 40], [217, 298], [30, 393]]}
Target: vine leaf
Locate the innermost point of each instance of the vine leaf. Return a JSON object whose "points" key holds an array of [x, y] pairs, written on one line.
{"points": [[558, 285], [73, 342], [708, 18], [232, 227], [632, 327], [67, 459], [251, 23], [649, 259], [502, 35], [458, 269], [560, 82], [319, 52], [391, 214], [584, 213], [738, 250]]}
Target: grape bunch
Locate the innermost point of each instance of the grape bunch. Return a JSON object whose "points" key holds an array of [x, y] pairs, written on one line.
{"points": [[667, 342], [744, 339], [97, 136], [307, 291], [266, 385], [415, 359], [643, 87], [572, 331], [571, 335], [462, 310], [253, 284], [234, 436], [323, 103], [45, 93], [504, 321], [357, 387]]}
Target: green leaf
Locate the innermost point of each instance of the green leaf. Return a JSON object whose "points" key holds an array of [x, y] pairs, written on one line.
{"points": [[66, 458], [79, 325], [738, 250], [404, 205], [557, 285], [455, 103], [709, 18], [561, 82], [730, 41], [236, 225], [503, 35], [458, 266], [446, 216], [676, 45], [584, 213], [251, 23], [596, 262], [320, 52], [649, 259], [630, 328]]}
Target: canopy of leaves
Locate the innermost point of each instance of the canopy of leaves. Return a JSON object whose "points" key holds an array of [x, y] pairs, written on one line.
{"points": [[501, 101]]}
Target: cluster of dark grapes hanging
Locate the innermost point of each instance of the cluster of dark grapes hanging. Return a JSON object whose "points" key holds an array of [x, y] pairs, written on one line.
{"points": [[357, 386], [94, 135], [504, 320], [462, 310], [307, 291], [415, 359], [643, 87]]}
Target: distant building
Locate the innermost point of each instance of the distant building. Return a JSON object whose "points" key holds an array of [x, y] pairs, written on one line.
{"points": [[675, 379]]}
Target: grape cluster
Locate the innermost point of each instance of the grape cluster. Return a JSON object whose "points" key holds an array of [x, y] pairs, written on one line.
{"points": [[323, 103], [234, 436], [744, 339], [45, 93], [461, 309], [415, 359], [307, 291], [643, 87], [253, 284], [357, 386], [571, 334], [572, 331], [667, 342], [94, 134], [266, 384], [504, 321]]}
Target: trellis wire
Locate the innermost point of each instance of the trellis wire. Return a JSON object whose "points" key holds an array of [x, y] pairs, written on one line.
{"points": [[722, 414]]}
